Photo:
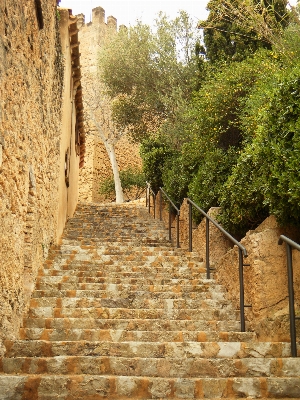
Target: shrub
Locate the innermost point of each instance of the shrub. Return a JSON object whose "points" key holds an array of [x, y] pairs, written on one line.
{"points": [[155, 153], [133, 184], [266, 178], [207, 184]]}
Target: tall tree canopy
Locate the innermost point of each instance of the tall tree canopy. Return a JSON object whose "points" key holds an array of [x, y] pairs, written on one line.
{"points": [[149, 73], [235, 29]]}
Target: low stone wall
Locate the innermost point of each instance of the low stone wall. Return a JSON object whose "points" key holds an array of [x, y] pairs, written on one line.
{"points": [[266, 282]]}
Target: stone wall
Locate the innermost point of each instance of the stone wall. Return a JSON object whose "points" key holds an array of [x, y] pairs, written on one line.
{"points": [[72, 141], [266, 282], [97, 165], [31, 81]]}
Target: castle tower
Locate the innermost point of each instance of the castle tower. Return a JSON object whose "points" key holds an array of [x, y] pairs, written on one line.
{"points": [[97, 165]]}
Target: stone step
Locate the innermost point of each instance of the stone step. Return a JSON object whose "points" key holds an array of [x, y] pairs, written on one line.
{"points": [[110, 335], [82, 271], [118, 247], [193, 367], [134, 302], [180, 350], [133, 259], [113, 291], [136, 325], [105, 268], [42, 387], [70, 281], [132, 279], [152, 287], [134, 313]]}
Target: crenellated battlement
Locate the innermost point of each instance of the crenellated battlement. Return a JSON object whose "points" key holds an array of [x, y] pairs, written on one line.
{"points": [[98, 15], [98, 18]]}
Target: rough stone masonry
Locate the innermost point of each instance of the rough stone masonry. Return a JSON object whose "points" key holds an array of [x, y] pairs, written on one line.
{"points": [[31, 81]]}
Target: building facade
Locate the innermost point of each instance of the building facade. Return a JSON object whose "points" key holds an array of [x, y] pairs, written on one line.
{"points": [[41, 143]]}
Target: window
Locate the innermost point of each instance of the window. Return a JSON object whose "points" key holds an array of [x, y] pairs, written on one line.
{"points": [[39, 13]]}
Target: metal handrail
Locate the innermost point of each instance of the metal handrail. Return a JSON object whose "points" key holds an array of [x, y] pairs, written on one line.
{"points": [[290, 245], [161, 191], [148, 201], [241, 249]]}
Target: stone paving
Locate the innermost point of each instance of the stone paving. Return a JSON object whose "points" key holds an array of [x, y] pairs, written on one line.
{"points": [[118, 313]]}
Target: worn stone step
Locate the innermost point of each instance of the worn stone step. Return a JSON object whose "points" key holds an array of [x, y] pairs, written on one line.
{"points": [[76, 281], [192, 367], [123, 387], [115, 292], [131, 271], [130, 302], [163, 284], [138, 324], [134, 313], [139, 269], [152, 287], [93, 257], [69, 248], [182, 350], [108, 262], [110, 335], [117, 248]]}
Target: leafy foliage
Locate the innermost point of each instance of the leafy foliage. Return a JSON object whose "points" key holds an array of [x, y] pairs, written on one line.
{"points": [[236, 29], [266, 177], [155, 154], [210, 134], [150, 73], [207, 184]]}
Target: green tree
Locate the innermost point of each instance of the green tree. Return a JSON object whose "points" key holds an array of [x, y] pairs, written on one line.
{"points": [[265, 179], [150, 73], [209, 134], [235, 29]]}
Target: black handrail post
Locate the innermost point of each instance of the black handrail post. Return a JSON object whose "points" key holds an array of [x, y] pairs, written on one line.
{"points": [[290, 245], [207, 249], [170, 223], [291, 300], [149, 201], [154, 201], [147, 188], [242, 294], [177, 224], [160, 204], [190, 227]]}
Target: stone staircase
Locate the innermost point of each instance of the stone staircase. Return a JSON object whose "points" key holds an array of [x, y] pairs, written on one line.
{"points": [[118, 313]]}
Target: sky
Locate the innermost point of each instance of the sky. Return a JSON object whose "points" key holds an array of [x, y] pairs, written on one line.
{"points": [[127, 12]]}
